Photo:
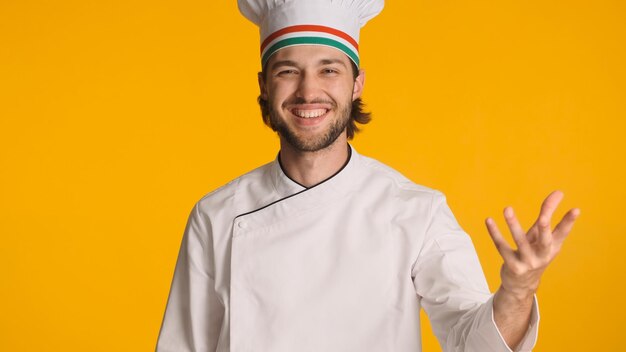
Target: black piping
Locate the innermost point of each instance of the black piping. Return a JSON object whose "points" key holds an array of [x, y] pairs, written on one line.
{"points": [[302, 191], [280, 163]]}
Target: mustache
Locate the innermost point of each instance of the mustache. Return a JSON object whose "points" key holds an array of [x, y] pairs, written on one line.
{"points": [[299, 101]]}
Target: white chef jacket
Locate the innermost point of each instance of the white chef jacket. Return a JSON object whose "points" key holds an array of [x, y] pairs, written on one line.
{"points": [[269, 265]]}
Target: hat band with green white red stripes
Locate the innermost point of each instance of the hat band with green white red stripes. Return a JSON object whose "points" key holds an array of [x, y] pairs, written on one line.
{"points": [[309, 35]]}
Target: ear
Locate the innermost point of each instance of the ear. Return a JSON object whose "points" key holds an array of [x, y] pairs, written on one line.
{"points": [[262, 88], [359, 82]]}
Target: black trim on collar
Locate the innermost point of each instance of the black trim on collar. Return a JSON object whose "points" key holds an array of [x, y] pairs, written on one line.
{"points": [[305, 188], [280, 163]]}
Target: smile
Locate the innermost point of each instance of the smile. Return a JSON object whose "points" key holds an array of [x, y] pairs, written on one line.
{"points": [[309, 113]]}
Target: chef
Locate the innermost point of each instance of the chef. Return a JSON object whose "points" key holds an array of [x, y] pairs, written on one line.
{"points": [[324, 249]]}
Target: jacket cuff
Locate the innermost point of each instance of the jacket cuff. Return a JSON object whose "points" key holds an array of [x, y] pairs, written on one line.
{"points": [[530, 338]]}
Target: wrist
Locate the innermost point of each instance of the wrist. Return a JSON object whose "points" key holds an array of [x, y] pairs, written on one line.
{"points": [[514, 296]]}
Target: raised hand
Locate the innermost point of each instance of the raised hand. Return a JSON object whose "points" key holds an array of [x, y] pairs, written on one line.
{"points": [[523, 267], [536, 248]]}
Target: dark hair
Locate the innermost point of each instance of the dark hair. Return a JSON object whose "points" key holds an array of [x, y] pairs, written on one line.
{"points": [[357, 115]]}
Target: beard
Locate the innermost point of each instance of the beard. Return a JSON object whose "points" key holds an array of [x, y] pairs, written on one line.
{"points": [[318, 142]]}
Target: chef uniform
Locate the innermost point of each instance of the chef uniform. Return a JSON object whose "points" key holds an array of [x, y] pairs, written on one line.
{"points": [[267, 264]]}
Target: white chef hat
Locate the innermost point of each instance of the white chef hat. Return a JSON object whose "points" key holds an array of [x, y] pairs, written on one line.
{"points": [[333, 23]]}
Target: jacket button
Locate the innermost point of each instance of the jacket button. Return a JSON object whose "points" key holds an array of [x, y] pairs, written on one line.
{"points": [[242, 225]]}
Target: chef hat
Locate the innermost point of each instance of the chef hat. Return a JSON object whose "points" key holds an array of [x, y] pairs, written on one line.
{"points": [[333, 23]]}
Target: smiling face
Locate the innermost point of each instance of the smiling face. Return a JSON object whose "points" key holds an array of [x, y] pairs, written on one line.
{"points": [[310, 90]]}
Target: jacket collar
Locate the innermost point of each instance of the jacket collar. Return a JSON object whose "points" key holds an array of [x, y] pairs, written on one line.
{"points": [[285, 186], [294, 199]]}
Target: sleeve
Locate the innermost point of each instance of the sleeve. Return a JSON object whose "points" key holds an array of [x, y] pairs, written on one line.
{"points": [[194, 313], [454, 293]]}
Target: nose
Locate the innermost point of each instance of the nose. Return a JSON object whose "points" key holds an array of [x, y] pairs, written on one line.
{"points": [[308, 87]]}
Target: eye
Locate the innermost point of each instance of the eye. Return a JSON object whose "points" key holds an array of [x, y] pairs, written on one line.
{"points": [[287, 72], [330, 71]]}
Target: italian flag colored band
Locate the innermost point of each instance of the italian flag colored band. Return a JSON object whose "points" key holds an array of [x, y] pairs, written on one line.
{"points": [[309, 28], [309, 40]]}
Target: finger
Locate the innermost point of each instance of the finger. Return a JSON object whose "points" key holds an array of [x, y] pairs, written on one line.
{"points": [[507, 253], [544, 235], [512, 222], [549, 204], [518, 233], [564, 227]]}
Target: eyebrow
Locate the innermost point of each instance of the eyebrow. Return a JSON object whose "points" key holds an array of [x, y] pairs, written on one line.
{"points": [[281, 63], [332, 61]]}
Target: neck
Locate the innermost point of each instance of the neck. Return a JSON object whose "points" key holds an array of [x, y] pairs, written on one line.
{"points": [[311, 168]]}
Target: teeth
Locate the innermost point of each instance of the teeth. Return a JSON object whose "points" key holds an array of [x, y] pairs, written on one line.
{"points": [[309, 113]]}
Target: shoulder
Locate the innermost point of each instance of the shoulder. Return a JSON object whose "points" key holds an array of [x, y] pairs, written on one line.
{"points": [[403, 198], [223, 199], [396, 183], [411, 208]]}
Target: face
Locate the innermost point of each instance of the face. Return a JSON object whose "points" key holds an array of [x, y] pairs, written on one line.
{"points": [[310, 90]]}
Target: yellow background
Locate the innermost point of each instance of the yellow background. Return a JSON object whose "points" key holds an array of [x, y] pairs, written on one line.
{"points": [[117, 116]]}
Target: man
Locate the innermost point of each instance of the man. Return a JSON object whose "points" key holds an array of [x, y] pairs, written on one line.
{"points": [[327, 250]]}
